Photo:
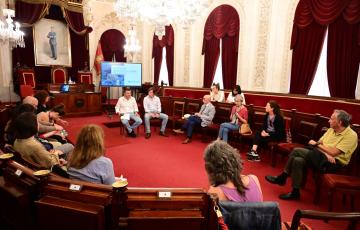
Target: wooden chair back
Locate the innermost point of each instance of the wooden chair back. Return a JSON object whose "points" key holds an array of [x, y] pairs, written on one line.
{"points": [[176, 208]]}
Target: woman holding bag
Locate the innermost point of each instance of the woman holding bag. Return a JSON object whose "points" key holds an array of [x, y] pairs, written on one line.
{"points": [[238, 116]]}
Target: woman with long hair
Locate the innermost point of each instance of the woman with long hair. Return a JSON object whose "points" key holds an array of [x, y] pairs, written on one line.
{"points": [[223, 166], [87, 162], [235, 91], [273, 129]]}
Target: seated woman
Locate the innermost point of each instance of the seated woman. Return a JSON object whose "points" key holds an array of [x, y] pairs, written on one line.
{"points": [[238, 116], [26, 127], [273, 129], [236, 91], [87, 162], [216, 94], [223, 166], [51, 118]]}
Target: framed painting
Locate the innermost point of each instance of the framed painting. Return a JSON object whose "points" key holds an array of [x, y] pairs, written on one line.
{"points": [[52, 43]]}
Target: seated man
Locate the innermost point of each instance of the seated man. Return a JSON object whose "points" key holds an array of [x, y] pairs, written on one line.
{"points": [[152, 107], [202, 118], [127, 108], [329, 154]]}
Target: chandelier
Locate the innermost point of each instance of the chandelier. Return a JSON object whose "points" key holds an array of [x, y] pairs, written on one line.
{"points": [[10, 31], [132, 43], [161, 12]]}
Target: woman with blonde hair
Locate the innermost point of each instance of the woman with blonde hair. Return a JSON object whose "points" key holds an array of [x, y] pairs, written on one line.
{"points": [[238, 116], [87, 162], [224, 167]]}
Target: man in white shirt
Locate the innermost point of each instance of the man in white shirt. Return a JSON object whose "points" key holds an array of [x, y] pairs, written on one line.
{"points": [[127, 108], [152, 107]]}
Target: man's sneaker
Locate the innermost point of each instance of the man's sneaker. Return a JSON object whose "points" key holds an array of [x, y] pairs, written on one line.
{"points": [[253, 157]]}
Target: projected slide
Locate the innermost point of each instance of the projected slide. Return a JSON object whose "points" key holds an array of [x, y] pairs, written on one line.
{"points": [[120, 74]]}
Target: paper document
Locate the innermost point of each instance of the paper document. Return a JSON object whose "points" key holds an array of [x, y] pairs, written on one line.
{"points": [[126, 116]]}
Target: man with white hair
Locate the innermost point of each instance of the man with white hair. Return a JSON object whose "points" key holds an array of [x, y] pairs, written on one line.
{"points": [[203, 118], [332, 152]]}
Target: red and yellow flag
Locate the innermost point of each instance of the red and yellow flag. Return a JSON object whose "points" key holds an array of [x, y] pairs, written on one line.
{"points": [[99, 57]]}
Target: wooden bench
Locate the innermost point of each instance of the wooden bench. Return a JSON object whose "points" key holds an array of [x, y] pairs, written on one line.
{"points": [[167, 208], [19, 188], [72, 204]]}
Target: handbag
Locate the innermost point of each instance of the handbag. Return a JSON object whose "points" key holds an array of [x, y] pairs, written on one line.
{"points": [[245, 129]]}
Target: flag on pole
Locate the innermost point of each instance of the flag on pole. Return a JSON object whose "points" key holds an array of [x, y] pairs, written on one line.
{"points": [[99, 57]]}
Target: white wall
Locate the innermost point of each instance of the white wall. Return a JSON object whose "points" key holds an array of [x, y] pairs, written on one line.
{"points": [[6, 87], [264, 59]]}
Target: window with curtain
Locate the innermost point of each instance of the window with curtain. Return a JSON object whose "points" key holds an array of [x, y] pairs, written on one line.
{"points": [[218, 78], [341, 20], [320, 85], [163, 54], [164, 75], [222, 26]]}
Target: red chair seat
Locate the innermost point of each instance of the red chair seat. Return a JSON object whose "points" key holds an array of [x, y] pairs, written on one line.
{"points": [[342, 181], [213, 126], [288, 147]]}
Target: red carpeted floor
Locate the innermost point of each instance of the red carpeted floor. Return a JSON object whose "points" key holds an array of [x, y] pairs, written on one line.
{"points": [[165, 162]]}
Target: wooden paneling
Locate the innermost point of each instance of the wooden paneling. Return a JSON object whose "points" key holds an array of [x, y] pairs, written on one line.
{"points": [[79, 104]]}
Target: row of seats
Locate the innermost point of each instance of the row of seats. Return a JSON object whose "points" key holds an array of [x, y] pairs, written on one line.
{"points": [[52, 202], [27, 80], [59, 75], [303, 103], [301, 126]]}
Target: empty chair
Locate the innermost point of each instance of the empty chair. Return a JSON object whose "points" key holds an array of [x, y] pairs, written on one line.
{"points": [[58, 75]]}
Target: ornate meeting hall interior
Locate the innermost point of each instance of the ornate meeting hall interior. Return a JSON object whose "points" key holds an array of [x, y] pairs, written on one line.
{"points": [[140, 111]]}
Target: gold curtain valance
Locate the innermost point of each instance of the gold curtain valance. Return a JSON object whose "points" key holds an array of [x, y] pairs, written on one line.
{"points": [[72, 5]]}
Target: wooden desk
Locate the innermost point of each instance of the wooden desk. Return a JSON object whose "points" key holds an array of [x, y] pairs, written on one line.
{"points": [[79, 104], [55, 88], [80, 101]]}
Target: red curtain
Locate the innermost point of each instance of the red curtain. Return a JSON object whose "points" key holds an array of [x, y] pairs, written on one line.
{"points": [[212, 54], [343, 58], [76, 22], [306, 54], [222, 23], [229, 59], [112, 43], [323, 13], [157, 55], [28, 14], [167, 41]]}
